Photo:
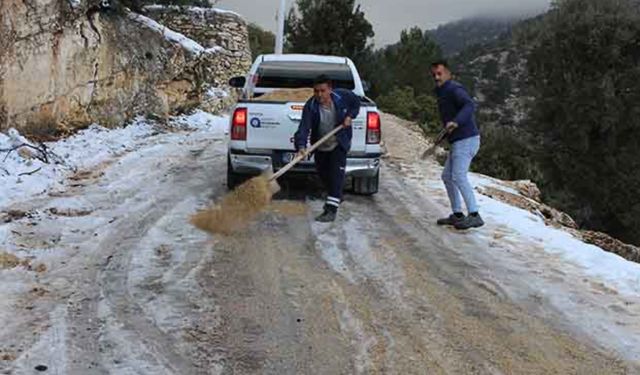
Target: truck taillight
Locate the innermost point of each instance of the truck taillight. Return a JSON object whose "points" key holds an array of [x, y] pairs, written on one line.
{"points": [[373, 128], [239, 125]]}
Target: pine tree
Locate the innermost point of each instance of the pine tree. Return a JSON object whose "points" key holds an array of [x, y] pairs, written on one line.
{"points": [[328, 27], [261, 41]]}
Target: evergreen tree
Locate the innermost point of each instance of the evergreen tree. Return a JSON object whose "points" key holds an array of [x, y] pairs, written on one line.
{"points": [[404, 64], [584, 73], [329, 27], [260, 40]]}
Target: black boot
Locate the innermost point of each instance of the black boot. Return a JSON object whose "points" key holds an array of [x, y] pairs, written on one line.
{"points": [[472, 221], [453, 219], [328, 215]]}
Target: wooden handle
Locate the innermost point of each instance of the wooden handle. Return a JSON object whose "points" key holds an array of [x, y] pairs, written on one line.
{"points": [[298, 158]]}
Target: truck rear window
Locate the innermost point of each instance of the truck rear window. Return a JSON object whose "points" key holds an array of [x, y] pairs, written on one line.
{"points": [[293, 74]]}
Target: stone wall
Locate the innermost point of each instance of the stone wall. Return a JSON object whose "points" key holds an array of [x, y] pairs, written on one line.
{"points": [[70, 63], [221, 31]]}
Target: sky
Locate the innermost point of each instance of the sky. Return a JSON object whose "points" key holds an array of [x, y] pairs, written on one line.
{"points": [[390, 17]]}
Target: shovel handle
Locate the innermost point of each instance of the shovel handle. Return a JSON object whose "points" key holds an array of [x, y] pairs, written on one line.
{"points": [[311, 149]]}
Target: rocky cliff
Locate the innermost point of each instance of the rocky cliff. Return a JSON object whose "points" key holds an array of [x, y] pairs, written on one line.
{"points": [[69, 63]]}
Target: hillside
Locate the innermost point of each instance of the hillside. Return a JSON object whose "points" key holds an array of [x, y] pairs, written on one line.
{"points": [[456, 36]]}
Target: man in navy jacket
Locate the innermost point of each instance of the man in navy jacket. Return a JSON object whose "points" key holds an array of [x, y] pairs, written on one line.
{"points": [[457, 114], [326, 110]]}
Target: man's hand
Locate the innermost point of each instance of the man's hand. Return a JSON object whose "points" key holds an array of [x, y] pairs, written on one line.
{"points": [[347, 122], [451, 126], [301, 152]]}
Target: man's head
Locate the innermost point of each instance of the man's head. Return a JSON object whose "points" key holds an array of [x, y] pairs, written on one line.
{"points": [[440, 72], [322, 88]]}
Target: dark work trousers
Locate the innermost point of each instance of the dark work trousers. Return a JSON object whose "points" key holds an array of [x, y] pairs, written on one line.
{"points": [[331, 167]]}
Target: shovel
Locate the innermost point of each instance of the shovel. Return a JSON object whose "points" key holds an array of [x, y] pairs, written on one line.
{"points": [[431, 150], [236, 210]]}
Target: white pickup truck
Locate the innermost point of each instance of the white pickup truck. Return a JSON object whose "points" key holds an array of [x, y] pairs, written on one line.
{"points": [[262, 129]]}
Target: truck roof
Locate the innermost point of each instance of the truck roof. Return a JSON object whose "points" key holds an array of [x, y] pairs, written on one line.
{"points": [[306, 58]]}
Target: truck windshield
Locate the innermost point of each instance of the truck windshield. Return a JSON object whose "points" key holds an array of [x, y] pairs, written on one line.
{"points": [[295, 74]]}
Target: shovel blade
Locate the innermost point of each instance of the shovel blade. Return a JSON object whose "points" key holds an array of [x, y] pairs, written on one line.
{"points": [[430, 151], [274, 187]]}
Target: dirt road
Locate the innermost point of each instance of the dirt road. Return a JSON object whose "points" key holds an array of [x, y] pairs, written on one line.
{"points": [[131, 288]]}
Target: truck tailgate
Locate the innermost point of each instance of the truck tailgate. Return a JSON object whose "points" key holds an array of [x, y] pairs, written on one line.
{"points": [[272, 126]]}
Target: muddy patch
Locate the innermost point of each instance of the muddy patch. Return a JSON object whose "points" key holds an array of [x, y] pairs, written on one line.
{"points": [[9, 260]]}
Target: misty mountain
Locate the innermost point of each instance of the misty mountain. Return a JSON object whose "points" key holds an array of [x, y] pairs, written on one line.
{"points": [[454, 37]]}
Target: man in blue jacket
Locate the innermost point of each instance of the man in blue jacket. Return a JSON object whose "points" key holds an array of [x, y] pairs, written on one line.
{"points": [[326, 110], [457, 113]]}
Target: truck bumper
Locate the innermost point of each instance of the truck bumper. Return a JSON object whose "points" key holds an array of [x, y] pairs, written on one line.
{"points": [[250, 164], [367, 166]]}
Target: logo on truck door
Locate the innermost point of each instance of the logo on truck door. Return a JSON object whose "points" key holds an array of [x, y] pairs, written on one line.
{"points": [[255, 122]]}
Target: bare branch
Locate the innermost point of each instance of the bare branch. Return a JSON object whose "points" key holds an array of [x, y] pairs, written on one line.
{"points": [[30, 173]]}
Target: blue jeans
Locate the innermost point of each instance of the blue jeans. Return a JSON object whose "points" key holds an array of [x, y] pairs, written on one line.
{"points": [[455, 173]]}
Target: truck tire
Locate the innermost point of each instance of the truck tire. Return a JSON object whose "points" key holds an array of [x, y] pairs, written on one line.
{"points": [[366, 185], [233, 179]]}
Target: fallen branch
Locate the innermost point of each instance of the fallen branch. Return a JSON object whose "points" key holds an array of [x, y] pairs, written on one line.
{"points": [[43, 154], [30, 173], [42, 150]]}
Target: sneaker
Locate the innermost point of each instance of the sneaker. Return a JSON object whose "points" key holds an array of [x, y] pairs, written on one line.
{"points": [[451, 220], [471, 221]]}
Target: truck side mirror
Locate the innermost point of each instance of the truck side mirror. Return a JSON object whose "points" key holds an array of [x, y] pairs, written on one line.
{"points": [[237, 82]]}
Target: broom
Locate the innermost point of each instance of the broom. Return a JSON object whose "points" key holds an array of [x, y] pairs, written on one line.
{"points": [[238, 208]]}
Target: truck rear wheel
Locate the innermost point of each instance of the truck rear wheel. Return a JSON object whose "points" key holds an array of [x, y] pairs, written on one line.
{"points": [[366, 185]]}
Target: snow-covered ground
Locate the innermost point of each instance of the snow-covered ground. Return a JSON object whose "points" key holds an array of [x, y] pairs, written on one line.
{"points": [[91, 147], [615, 271], [62, 216], [124, 265], [85, 150], [598, 292]]}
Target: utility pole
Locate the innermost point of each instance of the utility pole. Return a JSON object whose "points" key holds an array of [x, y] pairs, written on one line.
{"points": [[280, 35]]}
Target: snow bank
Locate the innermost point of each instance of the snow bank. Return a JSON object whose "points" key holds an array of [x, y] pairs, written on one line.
{"points": [[204, 121], [83, 151], [616, 271]]}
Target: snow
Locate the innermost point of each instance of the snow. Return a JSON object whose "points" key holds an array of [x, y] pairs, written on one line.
{"points": [[214, 50], [350, 256], [328, 241], [84, 151], [217, 93], [204, 121], [617, 272], [193, 9], [75, 4], [50, 347]]}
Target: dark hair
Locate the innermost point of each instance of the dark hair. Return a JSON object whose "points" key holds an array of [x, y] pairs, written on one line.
{"points": [[437, 63], [323, 78]]}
